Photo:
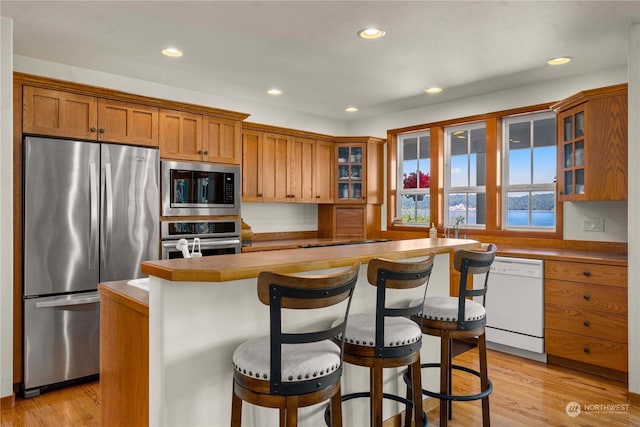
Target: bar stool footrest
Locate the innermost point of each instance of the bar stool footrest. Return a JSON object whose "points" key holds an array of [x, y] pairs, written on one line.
{"points": [[367, 394], [455, 397]]}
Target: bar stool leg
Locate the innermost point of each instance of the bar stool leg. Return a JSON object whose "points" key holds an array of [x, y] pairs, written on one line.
{"points": [[484, 378], [292, 411], [376, 393], [445, 376], [236, 410], [450, 402], [336, 408], [416, 382]]}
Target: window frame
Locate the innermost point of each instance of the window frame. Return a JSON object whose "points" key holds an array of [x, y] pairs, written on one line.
{"points": [[494, 177], [400, 174], [469, 189], [525, 188]]}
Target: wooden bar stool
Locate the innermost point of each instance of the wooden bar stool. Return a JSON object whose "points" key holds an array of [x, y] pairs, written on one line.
{"points": [[288, 370], [388, 338], [460, 318]]}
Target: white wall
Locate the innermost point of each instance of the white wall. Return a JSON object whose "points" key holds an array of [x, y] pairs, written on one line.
{"points": [[634, 210], [260, 113], [548, 91], [6, 213], [614, 214], [273, 217]]}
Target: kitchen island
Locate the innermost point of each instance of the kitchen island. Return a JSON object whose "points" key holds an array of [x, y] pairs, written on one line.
{"points": [[201, 309]]}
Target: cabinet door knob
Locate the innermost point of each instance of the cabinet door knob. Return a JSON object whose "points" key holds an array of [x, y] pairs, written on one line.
{"points": [[101, 130], [587, 273], [199, 151], [260, 195], [317, 197], [586, 350], [206, 152], [93, 129], [586, 297], [586, 323]]}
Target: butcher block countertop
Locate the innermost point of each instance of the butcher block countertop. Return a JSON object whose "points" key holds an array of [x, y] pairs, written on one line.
{"points": [[563, 254], [248, 265], [130, 296]]}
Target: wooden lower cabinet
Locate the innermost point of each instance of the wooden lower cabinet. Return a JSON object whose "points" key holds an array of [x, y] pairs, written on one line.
{"points": [[124, 356], [349, 221], [586, 316]]}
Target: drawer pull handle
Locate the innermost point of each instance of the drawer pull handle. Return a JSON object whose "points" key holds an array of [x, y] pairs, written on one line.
{"points": [[587, 273], [586, 323], [586, 297], [586, 350]]}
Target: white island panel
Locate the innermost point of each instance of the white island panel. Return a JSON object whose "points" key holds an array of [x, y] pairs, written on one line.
{"points": [[194, 328]]}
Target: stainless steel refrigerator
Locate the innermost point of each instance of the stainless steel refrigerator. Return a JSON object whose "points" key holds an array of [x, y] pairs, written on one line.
{"points": [[91, 214]]}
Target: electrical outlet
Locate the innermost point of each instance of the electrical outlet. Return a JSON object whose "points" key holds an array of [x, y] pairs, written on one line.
{"points": [[593, 224]]}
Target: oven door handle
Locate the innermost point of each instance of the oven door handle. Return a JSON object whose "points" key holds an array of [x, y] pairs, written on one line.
{"points": [[210, 243], [203, 243]]}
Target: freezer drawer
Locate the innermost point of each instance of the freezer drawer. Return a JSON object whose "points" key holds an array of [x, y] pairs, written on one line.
{"points": [[61, 339]]}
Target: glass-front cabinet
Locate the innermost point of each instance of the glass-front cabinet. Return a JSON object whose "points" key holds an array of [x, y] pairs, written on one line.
{"points": [[572, 153], [351, 169], [592, 145]]}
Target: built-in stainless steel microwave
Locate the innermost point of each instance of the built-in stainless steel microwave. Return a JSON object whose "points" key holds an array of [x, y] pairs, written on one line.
{"points": [[190, 189]]}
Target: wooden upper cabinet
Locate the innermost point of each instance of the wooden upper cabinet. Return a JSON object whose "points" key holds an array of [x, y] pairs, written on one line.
{"points": [[222, 140], [273, 167], [127, 123], [359, 170], [70, 115], [181, 135], [300, 171], [251, 162], [592, 145], [58, 113], [323, 172]]}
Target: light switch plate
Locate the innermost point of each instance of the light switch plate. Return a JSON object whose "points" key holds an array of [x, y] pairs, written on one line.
{"points": [[593, 224]]}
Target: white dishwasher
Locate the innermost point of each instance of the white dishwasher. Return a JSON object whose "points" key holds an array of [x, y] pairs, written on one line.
{"points": [[515, 307]]}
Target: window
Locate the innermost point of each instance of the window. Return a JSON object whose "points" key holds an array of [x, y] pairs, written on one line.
{"points": [[465, 175], [414, 162], [529, 143]]}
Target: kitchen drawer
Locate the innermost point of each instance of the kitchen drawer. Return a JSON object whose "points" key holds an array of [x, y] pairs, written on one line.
{"points": [[584, 349], [611, 275], [585, 322], [600, 298]]}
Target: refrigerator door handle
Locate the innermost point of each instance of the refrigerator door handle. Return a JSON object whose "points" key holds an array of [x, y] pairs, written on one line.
{"points": [[93, 192], [64, 302], [109, 197]]}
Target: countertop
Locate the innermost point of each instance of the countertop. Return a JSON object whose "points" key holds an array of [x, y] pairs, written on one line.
{"points": [[131, 296], [247, 265], [560, 254]]}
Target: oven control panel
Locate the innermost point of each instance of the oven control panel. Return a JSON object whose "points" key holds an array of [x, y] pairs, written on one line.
{"points": [[200, 228]]}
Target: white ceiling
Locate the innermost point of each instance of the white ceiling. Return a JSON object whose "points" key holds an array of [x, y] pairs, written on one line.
{"points": [[310, 50]]}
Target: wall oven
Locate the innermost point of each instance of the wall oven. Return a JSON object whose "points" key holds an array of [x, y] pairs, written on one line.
{"points": [[198, 189], [217, 237]]}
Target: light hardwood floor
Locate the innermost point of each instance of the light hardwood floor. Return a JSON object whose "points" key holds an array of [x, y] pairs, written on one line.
{"points": [[525, 393]]}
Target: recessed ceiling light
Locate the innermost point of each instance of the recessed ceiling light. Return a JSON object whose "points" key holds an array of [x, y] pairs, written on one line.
{"points": [[351, 109], [560, 60], [371, 33], [172, 52], [433, 90], [274, 92]]}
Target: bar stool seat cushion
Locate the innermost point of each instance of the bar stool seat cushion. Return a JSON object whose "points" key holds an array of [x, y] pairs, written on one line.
{"points": [[300, 362], [446, 309], [398, 331]]}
